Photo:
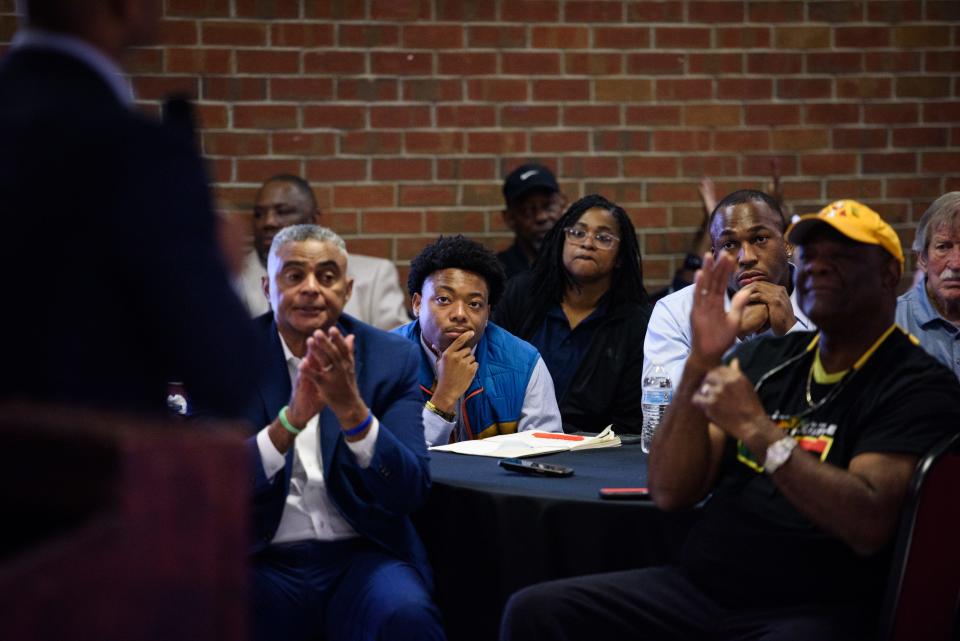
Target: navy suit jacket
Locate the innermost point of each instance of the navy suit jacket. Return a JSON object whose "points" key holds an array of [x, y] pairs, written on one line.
{"points": [[377, 500], [116, 284]]}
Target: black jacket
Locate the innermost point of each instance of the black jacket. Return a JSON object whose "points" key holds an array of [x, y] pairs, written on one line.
{"points": [[117, 281], [607, 385]]}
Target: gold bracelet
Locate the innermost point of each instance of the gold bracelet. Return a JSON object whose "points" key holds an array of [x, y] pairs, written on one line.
{"points": [[449, 417]]}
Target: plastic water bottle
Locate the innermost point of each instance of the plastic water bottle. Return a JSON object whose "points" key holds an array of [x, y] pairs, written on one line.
{"points": [[657, 394]]}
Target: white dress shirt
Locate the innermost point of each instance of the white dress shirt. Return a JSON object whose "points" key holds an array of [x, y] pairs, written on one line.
{"points": [[539, 411], [309, 514], [669, 337]]}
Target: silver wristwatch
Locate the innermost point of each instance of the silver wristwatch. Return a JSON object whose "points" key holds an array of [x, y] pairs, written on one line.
{"points": [[778, 453]]}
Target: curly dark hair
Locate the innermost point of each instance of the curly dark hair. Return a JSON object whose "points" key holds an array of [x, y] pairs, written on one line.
{"points": [[551, 279], [457, 252]]}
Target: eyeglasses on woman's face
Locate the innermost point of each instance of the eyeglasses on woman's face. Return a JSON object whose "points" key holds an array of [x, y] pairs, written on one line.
{"points": [[578, 236]]}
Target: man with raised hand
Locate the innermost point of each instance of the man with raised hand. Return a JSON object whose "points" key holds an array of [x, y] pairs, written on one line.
{"points": [[748, 225], [803, 446]]}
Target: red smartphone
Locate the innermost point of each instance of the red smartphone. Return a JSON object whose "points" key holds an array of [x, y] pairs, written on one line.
{"points": [[625, 493]]}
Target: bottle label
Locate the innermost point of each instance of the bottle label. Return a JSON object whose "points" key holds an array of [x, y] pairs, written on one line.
{"points": [[657, 396]]}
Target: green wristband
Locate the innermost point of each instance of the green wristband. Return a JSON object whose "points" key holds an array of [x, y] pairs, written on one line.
{"points": [[285, 422]]}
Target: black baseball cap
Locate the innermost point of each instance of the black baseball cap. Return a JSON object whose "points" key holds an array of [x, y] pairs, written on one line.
{"points": [[525, 179]]}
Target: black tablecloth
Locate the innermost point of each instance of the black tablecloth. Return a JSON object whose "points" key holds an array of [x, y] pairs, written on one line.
{"points": [[490, 532]]}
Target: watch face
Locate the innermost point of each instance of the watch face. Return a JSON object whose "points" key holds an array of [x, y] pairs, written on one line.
{"points": [[778, 453]]}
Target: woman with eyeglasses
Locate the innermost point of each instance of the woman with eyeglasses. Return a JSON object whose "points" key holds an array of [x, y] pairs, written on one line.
{"points": [[584, 307]]}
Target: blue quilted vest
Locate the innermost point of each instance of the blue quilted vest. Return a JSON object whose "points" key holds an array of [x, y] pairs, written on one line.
{"points": [[492, 403]]}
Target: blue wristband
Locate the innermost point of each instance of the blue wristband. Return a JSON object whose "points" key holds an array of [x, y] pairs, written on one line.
{"points": [[353, 431]]}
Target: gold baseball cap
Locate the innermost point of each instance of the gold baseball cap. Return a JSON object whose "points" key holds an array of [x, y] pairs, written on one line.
{"points": [[854, 220]]}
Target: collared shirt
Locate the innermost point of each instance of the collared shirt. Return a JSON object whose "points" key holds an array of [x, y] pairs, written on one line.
{"points": [[539, 410], [938, 336], [309, 514], [563, 348], [83, 51], [669, 337]]}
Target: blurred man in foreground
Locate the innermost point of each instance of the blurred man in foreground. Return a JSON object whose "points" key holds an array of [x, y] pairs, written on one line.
{"points": [[120, 285]]}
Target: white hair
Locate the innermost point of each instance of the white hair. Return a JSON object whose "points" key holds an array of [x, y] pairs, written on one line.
{"points": [[943, 210], [299, 234]]}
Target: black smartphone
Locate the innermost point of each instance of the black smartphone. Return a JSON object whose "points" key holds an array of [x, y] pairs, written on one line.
{"points": [[529, 467], [625, 493]]}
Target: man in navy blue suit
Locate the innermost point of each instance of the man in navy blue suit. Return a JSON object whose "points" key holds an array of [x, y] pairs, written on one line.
{"points": [[339, 463], [116, 283]]}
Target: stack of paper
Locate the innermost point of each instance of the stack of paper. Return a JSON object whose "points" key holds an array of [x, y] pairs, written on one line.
{"points": [[523, 444]]}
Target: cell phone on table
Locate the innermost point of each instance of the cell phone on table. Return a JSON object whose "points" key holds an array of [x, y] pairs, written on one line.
{"points": [[530, 467], [625, 493]]}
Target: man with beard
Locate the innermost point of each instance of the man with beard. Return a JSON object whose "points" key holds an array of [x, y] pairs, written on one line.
{"points": [[748, 226], [533, 202]]}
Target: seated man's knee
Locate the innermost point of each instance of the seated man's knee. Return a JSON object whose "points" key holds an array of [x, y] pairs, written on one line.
{"points": [[527, 610], [411, 618]]}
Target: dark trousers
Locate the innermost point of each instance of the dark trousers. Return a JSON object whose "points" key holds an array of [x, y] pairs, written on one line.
{"points": [[339, 591], [660, 604]]}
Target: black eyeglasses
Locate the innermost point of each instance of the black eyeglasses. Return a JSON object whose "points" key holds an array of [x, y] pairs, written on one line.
{"points": [[577, 236]]}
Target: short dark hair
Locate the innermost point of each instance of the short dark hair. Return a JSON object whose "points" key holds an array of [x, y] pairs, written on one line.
{"points": [[299, 183], [457, 252], [745, 196]]}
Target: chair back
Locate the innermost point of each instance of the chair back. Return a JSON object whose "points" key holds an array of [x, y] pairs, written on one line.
{"points": [[121, 527], [923, 590]]}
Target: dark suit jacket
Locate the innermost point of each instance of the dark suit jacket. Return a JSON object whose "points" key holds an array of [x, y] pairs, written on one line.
{"points": [[115, 283], [375, 501]]}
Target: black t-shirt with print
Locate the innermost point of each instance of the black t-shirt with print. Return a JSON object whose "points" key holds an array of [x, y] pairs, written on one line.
{"points": [[751, 546]]}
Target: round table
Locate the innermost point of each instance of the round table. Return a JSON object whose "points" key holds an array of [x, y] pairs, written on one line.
{"points": [[490, 532]]}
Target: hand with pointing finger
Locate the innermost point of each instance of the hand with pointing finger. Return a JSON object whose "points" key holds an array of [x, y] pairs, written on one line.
{"points": [[456, 367]]}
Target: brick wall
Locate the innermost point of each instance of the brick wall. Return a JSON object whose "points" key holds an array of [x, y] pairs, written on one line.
{"points": [[406, 114]]}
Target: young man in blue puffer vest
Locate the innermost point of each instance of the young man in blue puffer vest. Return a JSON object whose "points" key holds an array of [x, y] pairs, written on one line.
{"points": [[478, 380]]}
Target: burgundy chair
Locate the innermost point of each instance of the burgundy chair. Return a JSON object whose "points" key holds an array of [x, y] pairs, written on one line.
{"points": [[923, 591], [119, 527]]}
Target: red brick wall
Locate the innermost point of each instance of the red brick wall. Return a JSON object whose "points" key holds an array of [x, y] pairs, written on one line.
{"points": [[406, 114]]}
